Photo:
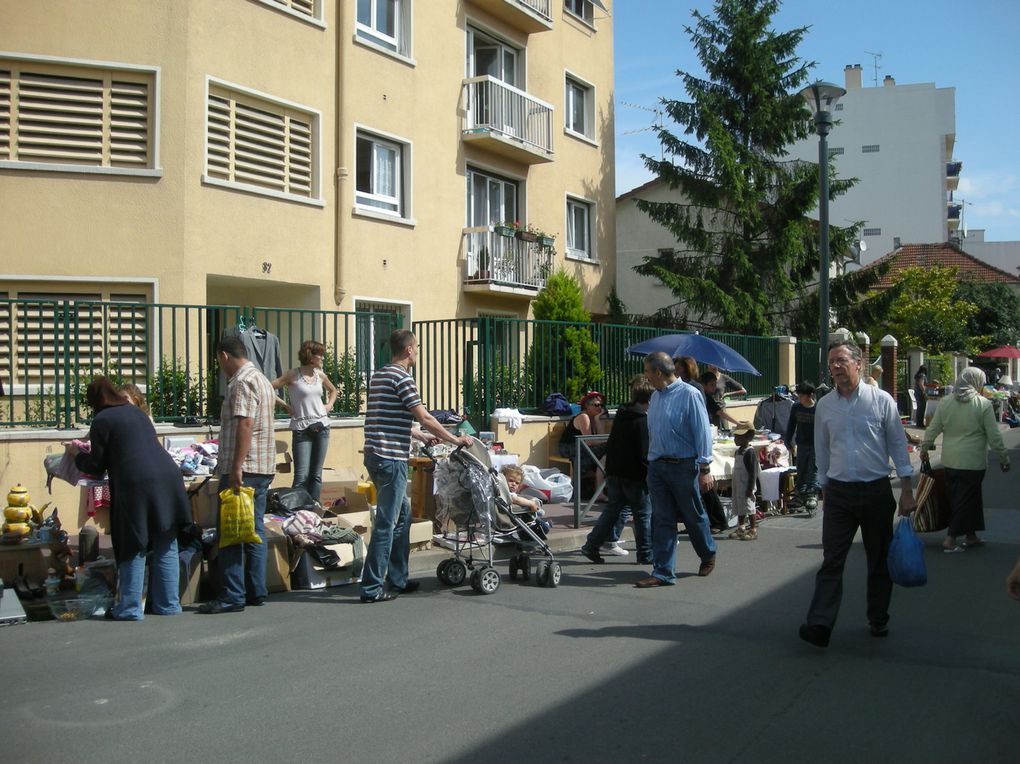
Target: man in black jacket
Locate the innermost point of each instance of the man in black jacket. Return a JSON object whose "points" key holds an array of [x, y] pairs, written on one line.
{"points": [[626, 469]]}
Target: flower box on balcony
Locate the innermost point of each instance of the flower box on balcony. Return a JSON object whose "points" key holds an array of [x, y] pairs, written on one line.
{"points": [[546, 241], [527, 236], [504, 230]]}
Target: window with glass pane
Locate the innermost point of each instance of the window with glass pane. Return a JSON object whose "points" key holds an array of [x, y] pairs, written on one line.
{"points": [[493, 200], [579, 229], [378, 174], [379, 22], [582, 8], [577, 108], [492, 57]]}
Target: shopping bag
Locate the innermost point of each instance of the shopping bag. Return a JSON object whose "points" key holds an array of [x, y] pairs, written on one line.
{"points": [[237, 517], [932, 513], [906, 556]]}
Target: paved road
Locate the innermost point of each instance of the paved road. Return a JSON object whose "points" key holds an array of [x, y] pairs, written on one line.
{"points": [[709, 670]]}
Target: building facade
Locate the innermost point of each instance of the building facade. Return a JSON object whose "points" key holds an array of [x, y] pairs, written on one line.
{"points": [[897, 140], [313, 154]]}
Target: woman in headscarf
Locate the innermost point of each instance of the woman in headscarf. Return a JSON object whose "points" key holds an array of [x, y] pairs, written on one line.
{"points": [[968, 429], [148, 505]]}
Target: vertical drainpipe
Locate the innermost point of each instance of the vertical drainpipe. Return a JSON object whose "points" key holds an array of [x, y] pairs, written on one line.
{"points": [[339, 172]]}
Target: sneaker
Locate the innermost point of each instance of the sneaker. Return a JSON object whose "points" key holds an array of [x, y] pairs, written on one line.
{"points": [[738, 534], [750, 534], [614, 548]]}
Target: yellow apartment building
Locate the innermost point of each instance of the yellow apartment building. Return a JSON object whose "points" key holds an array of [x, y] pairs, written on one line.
{"points": [[315, 154]]}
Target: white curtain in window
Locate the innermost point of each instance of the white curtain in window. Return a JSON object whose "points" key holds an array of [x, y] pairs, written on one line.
{"points": [[385, 171]]}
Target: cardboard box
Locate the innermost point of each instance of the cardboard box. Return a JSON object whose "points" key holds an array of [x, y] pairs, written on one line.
{"points": [[354, 501], [354, 519], [205, 502], [309, 575], [421, 534], [277, 563], [334, 482], [23, 559]]}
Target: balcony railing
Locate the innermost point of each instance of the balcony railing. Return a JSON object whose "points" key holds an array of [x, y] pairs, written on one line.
{"points": [[953, 211], [494, 108], [494, 259], [953, 169], [529, 16]]}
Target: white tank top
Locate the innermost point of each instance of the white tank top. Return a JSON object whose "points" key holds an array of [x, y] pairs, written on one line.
{"points": [[306, 403]]}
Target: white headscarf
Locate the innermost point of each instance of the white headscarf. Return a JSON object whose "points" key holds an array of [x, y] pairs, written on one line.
{"points": [[970, 384]]}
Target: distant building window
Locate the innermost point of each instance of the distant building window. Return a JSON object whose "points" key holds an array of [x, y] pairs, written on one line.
{"points": [[836, 151], [386, 23], [261, 144], [379, 176], [871, 232], [583, 9], [838, 107], [304, 9], [77, 117], [871, 148], [580, 98], [580, 214]]}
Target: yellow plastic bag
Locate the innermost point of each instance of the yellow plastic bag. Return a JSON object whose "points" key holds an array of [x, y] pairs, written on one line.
{"points": [[237, 517]]}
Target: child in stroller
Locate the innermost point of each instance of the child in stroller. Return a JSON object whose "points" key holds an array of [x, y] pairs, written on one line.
{"points": [[514, 476]]}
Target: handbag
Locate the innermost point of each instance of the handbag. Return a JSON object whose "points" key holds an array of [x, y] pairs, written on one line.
{"points": [[933, 512], [906, 556], [237, 517], [286, 501]]}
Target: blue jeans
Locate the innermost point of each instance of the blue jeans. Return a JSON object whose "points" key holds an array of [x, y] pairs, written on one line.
{"points": [[309, 456], [164, 577], [390, 545], [624, 496], [676, 496], [243, 566], [807, 472]]}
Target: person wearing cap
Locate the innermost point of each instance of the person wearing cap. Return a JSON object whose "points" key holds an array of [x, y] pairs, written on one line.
{"points": [[679, 459], [745, 478], [857, 432]]}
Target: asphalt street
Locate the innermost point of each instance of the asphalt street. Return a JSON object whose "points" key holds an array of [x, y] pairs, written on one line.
{"points": [[708, 670]]}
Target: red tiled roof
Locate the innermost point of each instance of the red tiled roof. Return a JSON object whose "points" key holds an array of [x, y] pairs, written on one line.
{"points": [[941, 255]]}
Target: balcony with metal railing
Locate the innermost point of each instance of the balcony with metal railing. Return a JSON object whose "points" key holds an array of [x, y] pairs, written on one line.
{"points": [[494, 262], [953, 210], [525, 15], [507, 121], [953, 175]]}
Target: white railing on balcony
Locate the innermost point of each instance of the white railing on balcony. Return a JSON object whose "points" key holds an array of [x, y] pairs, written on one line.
{"points": [[507, 260], [495, 106], [541, 7]]}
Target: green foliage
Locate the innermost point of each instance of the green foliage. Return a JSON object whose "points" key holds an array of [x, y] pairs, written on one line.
{"points": [[565, 358], [172, 392], [847, 303], [926, 312], [997, 320], [342, 371], [509, 388], [747, 248], [616, 308]]}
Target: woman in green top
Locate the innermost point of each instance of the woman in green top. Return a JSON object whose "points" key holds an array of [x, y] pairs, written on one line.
{"points": [[968, 428]]}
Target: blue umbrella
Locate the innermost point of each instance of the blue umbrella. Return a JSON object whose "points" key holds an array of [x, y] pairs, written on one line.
{"points": [[699, 347]]}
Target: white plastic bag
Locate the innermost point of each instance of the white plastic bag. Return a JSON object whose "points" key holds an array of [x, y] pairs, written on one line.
{"points": [[554, 486]]}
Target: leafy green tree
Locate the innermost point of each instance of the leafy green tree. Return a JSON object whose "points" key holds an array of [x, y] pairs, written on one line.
{"points": [[564, 358], [997, 320], [748, 250], [926, 311]]}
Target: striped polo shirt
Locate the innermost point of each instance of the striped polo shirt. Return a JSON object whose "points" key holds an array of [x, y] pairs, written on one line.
{"points": [[249, 395], [391, 396]]}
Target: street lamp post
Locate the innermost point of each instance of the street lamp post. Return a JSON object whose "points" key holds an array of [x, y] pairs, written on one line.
{"points": [[821, 97]]}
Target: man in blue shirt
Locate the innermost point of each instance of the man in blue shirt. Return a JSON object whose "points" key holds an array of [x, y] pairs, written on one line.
{"points": [[857, 432], [679, 454]]}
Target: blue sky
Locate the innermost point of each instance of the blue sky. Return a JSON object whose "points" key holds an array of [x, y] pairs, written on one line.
{"points": [[974, 47]]}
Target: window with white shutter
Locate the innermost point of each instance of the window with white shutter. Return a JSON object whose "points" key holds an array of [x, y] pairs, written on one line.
{"points": [[77, 116], [261, 144]]}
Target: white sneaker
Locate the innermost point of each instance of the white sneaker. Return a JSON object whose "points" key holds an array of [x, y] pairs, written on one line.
{"points": [[614, 547]]}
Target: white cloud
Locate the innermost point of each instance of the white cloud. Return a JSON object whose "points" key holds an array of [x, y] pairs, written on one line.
{"points": [[985, 185]]}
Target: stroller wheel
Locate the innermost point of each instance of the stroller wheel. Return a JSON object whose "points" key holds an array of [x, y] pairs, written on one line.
{"points": [[456, 572], [485, 580], [542, 573], [525, 567], [553, 575], [441, 571]]}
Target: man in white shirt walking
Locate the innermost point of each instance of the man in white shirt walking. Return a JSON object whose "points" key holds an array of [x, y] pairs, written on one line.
{"points": [[857, 432]]}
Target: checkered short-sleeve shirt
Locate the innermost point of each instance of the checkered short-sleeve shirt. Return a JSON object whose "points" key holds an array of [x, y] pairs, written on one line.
{"points": [[249, 395]]}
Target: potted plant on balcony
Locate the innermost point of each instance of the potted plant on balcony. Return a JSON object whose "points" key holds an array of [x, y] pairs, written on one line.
{"points": [[545, 240], [526, 233], [504, 229]]}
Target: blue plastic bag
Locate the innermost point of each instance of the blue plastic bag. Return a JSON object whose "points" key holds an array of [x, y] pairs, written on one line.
{"points": [[906, 556]]}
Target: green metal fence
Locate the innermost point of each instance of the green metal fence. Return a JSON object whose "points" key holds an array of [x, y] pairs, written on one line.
{"points": [[50, 351], [480, 364], [806, 360]]}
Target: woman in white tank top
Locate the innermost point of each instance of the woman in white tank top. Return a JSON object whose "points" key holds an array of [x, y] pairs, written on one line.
{"points": [[309, 420]]}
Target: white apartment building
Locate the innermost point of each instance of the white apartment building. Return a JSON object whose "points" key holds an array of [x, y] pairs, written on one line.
{"points": [[897, 140]]}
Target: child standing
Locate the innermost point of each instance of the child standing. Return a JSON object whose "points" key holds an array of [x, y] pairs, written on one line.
{"points": [[745, 480], [514, 477], [801, 433]]}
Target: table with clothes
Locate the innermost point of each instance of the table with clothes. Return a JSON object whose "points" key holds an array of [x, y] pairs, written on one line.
{"points": [[776, 456]]}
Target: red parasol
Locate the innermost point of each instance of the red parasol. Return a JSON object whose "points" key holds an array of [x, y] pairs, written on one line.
{"points": [[1006, 351]]}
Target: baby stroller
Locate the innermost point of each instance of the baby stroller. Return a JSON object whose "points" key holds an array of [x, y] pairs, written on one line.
{"points": [[473, 499]]}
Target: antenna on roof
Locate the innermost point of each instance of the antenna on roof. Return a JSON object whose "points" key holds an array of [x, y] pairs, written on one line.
{"points": [[876, 57], [656, 123]]}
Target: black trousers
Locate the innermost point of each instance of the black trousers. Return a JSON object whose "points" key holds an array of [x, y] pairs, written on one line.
{"points": [[966, 506], [847, 507], [714, 508]]}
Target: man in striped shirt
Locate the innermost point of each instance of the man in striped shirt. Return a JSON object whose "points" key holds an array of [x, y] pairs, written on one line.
{"points": [[393, 407], [247, 456]]}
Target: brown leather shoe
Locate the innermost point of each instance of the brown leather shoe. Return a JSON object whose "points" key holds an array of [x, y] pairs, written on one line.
{"points": [[652, 581], [707, 566]]}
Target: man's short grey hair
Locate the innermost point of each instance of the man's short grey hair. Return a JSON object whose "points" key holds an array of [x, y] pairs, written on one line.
{"points": [[855, 351], [660, 362]]}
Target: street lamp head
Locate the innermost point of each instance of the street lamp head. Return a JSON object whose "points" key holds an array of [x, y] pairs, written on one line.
{"points": [[822, 96]]}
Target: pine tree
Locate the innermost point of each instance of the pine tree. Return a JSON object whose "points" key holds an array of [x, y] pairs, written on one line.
{"points": [[748, 250]]}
